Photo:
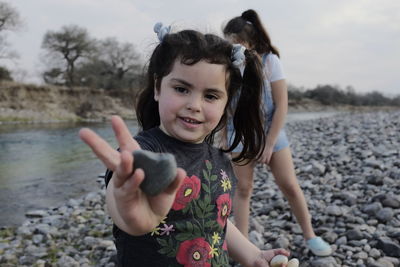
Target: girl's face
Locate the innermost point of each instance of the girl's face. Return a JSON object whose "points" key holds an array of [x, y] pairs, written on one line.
{"points": [[192, 100]]}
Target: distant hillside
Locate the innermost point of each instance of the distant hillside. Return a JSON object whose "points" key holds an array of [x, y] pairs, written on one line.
{"points": [[40, 103]]}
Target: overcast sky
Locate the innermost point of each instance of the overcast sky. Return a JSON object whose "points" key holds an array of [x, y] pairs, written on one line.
{"points": [[342, 42]]}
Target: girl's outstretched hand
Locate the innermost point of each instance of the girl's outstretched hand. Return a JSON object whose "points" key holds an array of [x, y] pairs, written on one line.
{"points": [[267, 255], [132, 211]]}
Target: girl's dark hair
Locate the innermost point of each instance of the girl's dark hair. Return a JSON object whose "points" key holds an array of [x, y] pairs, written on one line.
{"points": [[248, 28], [190, 47]]}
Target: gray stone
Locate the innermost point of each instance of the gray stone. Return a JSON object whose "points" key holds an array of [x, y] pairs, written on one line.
{"points": [[160, 170], [257, 239], [37, 239], [361, 255], [388, 247], [341, 241], [384, 215], [334, 210], [24, 231], [374, 253], [324, 262], [26, 260], [372, 209], [66, 260], [307, 168], [354, 234], [320, 169], [90, 241], [296, 229], [374, 164], [330, 237], [394, 260], [375, 180], [380, 263], [391, 201], [349, 198], [53, 220], [257, 225], [282, 242]]}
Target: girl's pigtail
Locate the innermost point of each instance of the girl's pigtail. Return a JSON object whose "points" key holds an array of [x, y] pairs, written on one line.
{"points": [[247, 118], [260, 37]]}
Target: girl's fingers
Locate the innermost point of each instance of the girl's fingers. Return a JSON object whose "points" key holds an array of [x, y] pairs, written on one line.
{"points": [[124, 169], [133, 182], [281, 251], [123, 135], [109, 156]]}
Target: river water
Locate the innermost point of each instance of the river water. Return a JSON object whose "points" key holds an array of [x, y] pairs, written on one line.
{"points": [[44, 165]]}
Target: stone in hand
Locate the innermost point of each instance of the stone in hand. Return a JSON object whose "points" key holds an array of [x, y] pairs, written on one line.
{"points": [[278, 260], [293, 263], [159, 170]]}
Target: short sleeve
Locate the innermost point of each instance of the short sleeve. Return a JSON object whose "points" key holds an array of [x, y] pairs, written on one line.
{"points": [[273, 68]]}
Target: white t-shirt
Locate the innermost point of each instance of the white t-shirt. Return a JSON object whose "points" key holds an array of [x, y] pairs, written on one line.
{"points": [[273, 69]]}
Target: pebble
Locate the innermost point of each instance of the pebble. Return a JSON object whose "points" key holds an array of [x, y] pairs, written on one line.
{"points": [[155, 166], [278, 260]]}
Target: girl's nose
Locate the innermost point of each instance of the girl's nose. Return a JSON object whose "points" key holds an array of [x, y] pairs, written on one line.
{"points": [[194, 104]]}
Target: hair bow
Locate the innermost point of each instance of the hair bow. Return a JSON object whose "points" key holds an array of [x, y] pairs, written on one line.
{"points": [[238, 57], [161, 30]]}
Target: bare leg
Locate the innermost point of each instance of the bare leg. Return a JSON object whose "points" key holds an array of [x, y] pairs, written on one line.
{"points": [[241, 199], [282, 168]]}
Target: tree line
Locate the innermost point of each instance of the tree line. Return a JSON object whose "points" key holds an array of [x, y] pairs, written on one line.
{"points": [[334, 95], [74, 58], [77, 59]]}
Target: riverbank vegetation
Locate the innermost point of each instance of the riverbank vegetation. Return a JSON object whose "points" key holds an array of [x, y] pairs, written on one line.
{"points": [[24, 103], [334, 95]]}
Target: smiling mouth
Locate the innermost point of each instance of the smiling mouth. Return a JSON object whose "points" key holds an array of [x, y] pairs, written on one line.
{"points": [[189, 120]]}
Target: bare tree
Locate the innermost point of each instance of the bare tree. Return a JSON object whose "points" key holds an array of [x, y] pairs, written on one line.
{"points": [[10, 20], [115, 65], [71, 44], [120, 57]]}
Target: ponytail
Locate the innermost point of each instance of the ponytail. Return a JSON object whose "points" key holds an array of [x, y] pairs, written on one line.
{"points": [[247, 116], [249, 28]]}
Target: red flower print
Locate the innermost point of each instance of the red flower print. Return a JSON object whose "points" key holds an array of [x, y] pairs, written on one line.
{"points": [[189, 190], [225, 245], [194, 253], [224, 206]]}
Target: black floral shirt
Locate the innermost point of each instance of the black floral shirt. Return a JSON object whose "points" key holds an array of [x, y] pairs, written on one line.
{"points": [[193, 232]]}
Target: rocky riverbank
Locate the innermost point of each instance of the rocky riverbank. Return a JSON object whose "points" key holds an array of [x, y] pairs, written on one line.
{"points": [[28, 103], [348, 167]]}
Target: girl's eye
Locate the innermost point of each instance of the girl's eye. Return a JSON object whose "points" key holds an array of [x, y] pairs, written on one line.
{"points": [[211, 97], [181, 89]]}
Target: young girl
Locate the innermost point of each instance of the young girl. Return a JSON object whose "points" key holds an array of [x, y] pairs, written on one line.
{"points": [[248, 30], [191, 79]]}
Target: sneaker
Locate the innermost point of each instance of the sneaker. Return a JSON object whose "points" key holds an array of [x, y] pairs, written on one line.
{"points": [[319, 247]]}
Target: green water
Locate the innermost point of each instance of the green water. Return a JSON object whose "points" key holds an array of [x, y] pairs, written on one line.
{"points": [[42, 165]]}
